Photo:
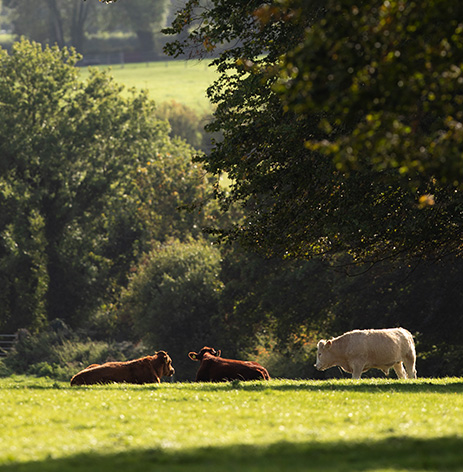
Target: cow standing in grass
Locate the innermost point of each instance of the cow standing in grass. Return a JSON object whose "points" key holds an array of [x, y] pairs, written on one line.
{"points": [[214, 368], [147, 369], [360, 350]]}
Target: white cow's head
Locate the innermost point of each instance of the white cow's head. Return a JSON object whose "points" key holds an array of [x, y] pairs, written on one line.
{"points": [[324, 356]]}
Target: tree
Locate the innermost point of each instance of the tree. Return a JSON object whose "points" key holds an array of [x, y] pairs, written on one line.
{"points": [[288, 134], [145, 18], [386, 79], [69, 23], [51, 22], [88, 179], [172, 300], [263, 299]]}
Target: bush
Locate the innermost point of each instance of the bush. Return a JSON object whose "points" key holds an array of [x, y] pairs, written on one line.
{"points": [[186, 124], [172, 300], [295, 362], [59, 356], [4, 370]]}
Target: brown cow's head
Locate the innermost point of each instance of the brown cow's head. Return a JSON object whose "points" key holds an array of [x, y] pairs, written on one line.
{"points": [[168, 370], [205, 350]]}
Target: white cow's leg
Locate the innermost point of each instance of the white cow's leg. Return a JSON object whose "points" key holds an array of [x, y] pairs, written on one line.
{"points": [[399, 370], [410, 367]]}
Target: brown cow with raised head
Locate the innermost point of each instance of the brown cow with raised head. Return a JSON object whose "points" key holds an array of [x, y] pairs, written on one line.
{"points": [[147, 369], [214, 368]]}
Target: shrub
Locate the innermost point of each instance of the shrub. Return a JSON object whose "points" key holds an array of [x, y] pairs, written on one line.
{"points": [[55, 355], [173, 299], [295, 362], [4, 370], [186, 124]]}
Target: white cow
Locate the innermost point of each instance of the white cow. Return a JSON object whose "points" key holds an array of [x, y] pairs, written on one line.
{"points": [[359, 350]]}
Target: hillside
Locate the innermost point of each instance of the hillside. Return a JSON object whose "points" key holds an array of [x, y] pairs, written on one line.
{"points": [[183, 81]]}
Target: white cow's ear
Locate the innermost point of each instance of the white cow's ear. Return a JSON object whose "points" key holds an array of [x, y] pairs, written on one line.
{"points": [[193, 356]]}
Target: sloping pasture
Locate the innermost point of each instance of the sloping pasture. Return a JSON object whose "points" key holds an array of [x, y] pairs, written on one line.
{"points": [[281, 425], [182, 81]]}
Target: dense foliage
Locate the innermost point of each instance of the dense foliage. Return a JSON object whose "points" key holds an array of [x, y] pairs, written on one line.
{"points": [[186, 124], [384, 81], [342, 123], [341, 137], [88, 179], [91, 184]]}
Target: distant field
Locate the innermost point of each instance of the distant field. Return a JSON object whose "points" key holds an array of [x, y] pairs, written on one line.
{"points": [[183, 81], [276, 426]]}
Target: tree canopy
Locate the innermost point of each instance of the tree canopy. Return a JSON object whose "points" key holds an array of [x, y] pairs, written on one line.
{"points": [[319, 150], [341, 123], [386, 79], [88, 179], [71, 23]]}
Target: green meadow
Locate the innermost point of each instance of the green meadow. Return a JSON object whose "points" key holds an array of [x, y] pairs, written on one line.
{"points": [[183, 81], [281, 425]]}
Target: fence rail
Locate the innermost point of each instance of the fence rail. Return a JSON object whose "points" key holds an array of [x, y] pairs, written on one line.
{"points": [[6, 343], [119, 58]]}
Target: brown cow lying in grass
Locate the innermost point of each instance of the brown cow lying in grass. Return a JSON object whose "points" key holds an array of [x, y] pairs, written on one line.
{"points": [[214, 368], [147, 369]]}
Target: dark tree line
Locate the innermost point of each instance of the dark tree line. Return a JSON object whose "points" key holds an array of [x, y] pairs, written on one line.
{"points": [[341, 128], [78, 23], [341, 121], [341, 150]]}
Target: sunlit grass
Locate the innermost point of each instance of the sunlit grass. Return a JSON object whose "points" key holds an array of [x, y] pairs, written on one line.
{"points": [[45, 422], [183, 81]]}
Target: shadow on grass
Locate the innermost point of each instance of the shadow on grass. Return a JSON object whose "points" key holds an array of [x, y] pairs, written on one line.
{"points": [[346, 385], [394, 386], [444, 454], [383, 385]]}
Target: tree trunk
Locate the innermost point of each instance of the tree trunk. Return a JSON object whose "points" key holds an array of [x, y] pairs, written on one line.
{"points": [[79, 17], [56, 24]]}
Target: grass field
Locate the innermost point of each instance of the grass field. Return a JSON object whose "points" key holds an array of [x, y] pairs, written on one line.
{"points": [[282, 425], [183, 81]]}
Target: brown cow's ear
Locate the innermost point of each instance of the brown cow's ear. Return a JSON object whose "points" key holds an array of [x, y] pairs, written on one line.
{"points": [[193, 356], [328, 344], [218, 353]]}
